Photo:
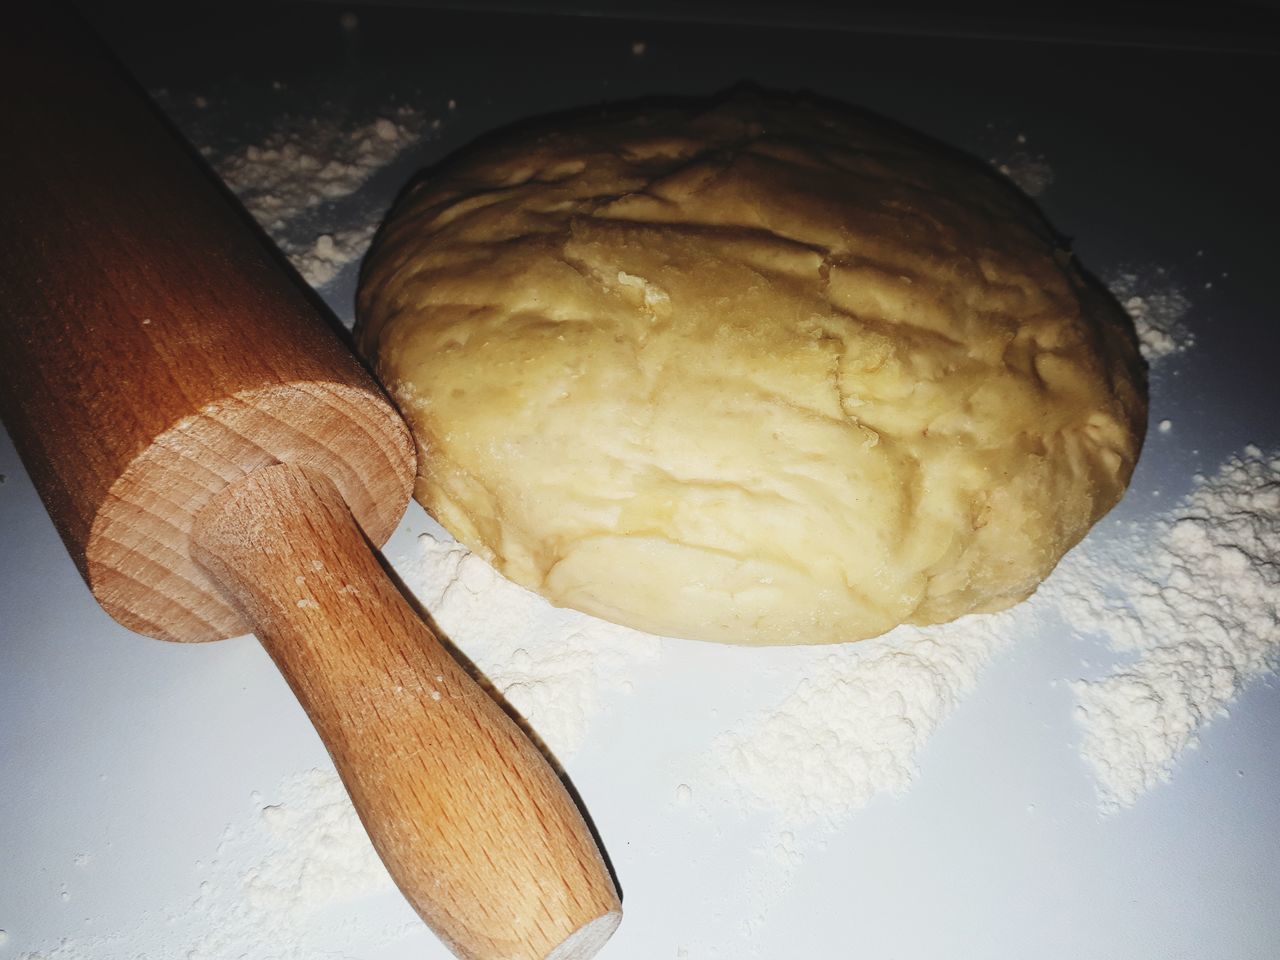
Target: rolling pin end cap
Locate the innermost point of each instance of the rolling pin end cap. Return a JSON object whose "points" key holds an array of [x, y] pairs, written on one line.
{"points": [[586, 941]]}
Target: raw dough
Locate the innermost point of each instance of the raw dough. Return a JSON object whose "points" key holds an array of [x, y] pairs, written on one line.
{"points": [[759, 370]]}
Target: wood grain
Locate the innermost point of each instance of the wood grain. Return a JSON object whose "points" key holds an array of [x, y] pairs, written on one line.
{"points": [[152, 347], [477, 830]]}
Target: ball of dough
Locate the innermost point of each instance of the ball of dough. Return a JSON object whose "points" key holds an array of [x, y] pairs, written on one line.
{"points": [[761, 370]]}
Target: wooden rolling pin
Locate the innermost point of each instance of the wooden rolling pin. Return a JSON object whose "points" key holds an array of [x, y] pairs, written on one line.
{"points": [[215, 460]]}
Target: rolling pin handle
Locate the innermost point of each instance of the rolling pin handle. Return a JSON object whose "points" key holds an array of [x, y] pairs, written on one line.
{"points": [[469, 818]]}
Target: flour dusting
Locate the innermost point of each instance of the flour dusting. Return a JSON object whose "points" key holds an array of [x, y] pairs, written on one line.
{"points": [[320, 263], [852, 727], [313, 159], [1030, 173], [557, 667], [291, 181], [1159, 311], [293, 880], [1193, 601], [1029, 170]]}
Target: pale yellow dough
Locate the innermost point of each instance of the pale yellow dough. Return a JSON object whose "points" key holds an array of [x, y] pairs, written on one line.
{"points": [[759, 371]]}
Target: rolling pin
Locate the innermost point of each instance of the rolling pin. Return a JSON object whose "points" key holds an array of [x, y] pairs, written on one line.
{"points": [[218, 463]]}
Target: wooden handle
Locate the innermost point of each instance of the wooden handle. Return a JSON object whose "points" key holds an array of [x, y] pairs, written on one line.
{"points": [[475, 828]]}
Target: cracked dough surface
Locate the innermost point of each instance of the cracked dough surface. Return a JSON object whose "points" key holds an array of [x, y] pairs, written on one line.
{"points": [[759, 370]]}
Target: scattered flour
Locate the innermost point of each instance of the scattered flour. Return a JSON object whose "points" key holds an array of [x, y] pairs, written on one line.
{"points": [[290, 181], [1159, 310], [331, 252], [853, 725], [850, 727], [314, 159], [274, 889], [1030, 172], [1194, 599], [556, 667]]}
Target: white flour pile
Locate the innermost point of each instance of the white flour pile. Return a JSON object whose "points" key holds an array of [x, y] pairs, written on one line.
{"points": [[291, 181], [329, 253], [1159, 310], [1193, 602]]}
